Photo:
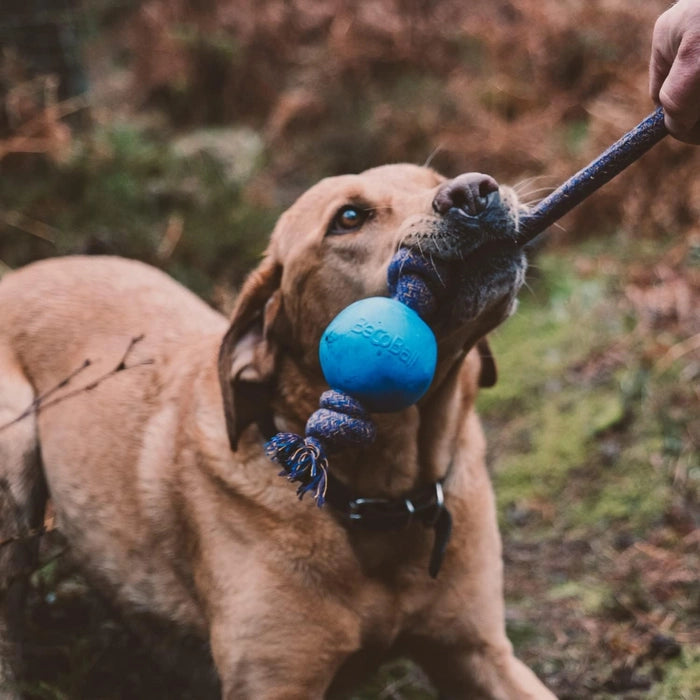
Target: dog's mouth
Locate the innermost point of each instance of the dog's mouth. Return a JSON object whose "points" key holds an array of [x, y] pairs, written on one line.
{"points": [[472, 250]]}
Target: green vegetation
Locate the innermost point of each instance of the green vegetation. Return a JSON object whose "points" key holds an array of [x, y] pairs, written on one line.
{"points": [[582, 409], [125, 189], [682, 678], [595, 468]]}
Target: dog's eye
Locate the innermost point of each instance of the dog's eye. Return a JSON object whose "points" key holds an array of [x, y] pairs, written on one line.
{"points": [[348, 219]]}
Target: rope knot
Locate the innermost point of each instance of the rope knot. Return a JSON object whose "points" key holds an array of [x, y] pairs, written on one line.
{"points": [[415, 281], [341, 421]]}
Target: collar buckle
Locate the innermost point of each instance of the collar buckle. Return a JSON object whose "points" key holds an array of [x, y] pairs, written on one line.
{"points": [[439, 504], [358, 508]]}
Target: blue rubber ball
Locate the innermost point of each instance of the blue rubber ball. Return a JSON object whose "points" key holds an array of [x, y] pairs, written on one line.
{"points": [[379, 351]]}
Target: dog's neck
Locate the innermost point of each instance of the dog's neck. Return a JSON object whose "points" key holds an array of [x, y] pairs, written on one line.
{"points": [[412, 447]]}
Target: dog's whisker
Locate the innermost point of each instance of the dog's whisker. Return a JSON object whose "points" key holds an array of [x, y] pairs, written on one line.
{"points": [[544, 188], [530, 180], [536, 191], [435, 270], [531, 202], [527, 286], [432, 156]]}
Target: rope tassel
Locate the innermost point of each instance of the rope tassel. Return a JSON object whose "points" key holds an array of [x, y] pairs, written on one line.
{"points": [[304, 461], [341, 421]]}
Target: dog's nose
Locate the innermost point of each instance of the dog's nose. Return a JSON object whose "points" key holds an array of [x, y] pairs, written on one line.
{"points": [[467, 192]]}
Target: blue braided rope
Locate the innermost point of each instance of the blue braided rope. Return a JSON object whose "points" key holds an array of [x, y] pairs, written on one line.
{"points": [[415, 282], [634, 144], [341, 421]]}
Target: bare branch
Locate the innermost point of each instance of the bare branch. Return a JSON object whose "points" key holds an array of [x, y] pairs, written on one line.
{"points": [[35, 532], [40, 402]]}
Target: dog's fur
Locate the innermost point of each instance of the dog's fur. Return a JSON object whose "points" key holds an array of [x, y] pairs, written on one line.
{"points": [[158, 476]]}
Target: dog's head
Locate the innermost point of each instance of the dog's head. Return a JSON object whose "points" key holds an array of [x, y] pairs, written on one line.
{"points": [[333, 247]]}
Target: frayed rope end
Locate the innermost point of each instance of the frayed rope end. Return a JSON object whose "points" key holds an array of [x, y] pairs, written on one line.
{"points": [[304, 461]]}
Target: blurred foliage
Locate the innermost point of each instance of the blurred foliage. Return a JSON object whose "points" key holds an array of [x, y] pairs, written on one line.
{"points": [[593, 442], [126, 190], [205, 118]]}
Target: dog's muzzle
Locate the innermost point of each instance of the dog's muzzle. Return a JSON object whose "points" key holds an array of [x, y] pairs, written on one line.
{"points": [[469, 241], [475, 213]]}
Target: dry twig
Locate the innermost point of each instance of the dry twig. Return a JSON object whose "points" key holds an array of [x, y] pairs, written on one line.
{"points": [[40, 402]]}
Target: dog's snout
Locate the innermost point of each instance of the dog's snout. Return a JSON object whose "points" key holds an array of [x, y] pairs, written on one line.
{"points": [[468, 192]]}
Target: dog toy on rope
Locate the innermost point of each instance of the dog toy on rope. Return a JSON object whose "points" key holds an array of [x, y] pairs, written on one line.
{"points": [[379, 354]]}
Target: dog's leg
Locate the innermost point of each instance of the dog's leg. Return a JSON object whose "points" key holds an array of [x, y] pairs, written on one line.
{"points": [[22, 502], [275, 673], [484, 673], [476, 662], [271, 645], [461, 638]]}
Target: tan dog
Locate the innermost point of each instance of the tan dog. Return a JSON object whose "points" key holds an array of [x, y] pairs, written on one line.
{"points": [[165, 493]]}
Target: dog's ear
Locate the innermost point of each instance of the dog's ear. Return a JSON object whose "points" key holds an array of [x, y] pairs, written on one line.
{"points": [[247, 355], [488, 373]]}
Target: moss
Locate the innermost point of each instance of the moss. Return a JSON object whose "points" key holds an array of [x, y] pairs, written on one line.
{"points": [[574, 420], [592, 597], [633, 493], [559, 323], [681, 677]]}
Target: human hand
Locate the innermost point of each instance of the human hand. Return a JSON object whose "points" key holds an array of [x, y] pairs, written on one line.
{"points": [[674, 69]]}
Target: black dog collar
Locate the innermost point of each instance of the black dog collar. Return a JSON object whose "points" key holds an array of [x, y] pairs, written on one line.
{"points": [[425, 505]]}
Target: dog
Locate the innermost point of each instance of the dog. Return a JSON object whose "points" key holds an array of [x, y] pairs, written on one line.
{"points": [[142, 414]]}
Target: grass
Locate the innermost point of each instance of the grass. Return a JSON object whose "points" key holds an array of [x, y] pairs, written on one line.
{"points": [[682, 678], [596, 475], [580, 413]]}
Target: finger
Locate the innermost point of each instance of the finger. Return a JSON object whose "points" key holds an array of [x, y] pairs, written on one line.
{"points": [[680, 93], [658, 70], [661, 57], [692, 136]]}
